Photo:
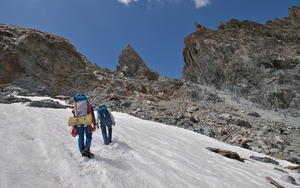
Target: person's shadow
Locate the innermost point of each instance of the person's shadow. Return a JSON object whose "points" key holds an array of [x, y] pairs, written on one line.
{"points": [[123, 148]]}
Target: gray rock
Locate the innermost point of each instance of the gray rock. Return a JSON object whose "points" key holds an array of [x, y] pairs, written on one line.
{"points": [[185, 124], [216, 150], [243, 123], [46, 104], [254, 114], [289, 179], [206, 130], [11, 99], [294, 160], [278, 169], [126, 104], [264, 160]]}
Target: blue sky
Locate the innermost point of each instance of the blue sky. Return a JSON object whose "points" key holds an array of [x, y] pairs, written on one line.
{"points": [[100, 29]]}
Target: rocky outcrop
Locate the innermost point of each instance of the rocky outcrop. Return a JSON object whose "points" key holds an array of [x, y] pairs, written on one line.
{"points": [[132, 65], [42, 63], [11, 99], [255, 61], [226, 153]]}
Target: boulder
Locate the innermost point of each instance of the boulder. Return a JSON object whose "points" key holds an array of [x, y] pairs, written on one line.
{"points": [[46, 104], [264, 160]]}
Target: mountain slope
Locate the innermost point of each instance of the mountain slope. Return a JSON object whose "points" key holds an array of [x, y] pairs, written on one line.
{"points": [[38, 151]]}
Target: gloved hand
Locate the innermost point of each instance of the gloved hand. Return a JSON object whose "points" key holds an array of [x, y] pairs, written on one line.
{"points": [[94, 128]]}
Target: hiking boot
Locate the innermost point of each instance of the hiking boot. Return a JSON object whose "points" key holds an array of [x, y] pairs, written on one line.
{"points": [[87, 153]]}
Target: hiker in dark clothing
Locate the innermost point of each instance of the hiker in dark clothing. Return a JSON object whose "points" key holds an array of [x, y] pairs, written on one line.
{"points": [[105, 119]]}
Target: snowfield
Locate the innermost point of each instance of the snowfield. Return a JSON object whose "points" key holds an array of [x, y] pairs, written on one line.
{"points": [[37, 150]]}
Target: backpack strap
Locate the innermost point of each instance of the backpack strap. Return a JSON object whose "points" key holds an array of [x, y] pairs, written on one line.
{"points": [[75, 108], [91, 111], [101, 114]]}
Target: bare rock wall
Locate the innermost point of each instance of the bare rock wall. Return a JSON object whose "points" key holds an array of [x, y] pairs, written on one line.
{"points": [[260, 62]]}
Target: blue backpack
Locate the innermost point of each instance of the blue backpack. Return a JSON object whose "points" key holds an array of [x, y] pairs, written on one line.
{"points": [[80, 104], [104, 115]]}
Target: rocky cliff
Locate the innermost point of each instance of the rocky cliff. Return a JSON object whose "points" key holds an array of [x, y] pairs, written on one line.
{"points": [[42, 63], [255, 61]]}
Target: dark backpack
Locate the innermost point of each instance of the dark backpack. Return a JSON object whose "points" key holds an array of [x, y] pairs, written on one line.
{"points": [[104, 115]]}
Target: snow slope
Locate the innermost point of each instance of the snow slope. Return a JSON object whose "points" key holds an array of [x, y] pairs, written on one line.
{"points": [[38, 151]]}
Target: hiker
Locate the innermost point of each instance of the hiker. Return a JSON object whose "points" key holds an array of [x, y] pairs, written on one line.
{"points": [[82, 108], [105, 119]]}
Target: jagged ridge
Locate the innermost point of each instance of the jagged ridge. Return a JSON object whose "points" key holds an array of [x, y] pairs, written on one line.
{"points": [[255, 61]]}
